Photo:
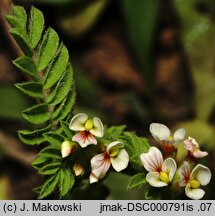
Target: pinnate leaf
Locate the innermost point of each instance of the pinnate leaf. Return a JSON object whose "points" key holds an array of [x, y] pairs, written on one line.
{"points": [[69, 133], [137, 181], [62, 87], [22, 41], [48, 186], [135, 146], [37, 114], [36, 25], [26, 65], [65, 107], [57, 67], [54, 139], [51, 152], [33, 137], [20, 14], [67, 181], [47, 49], [50, 169], [33, 89]]}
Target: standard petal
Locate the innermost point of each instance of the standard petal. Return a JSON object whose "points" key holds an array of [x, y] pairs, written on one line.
{"points": [[159, 131], [77, 122], [98, 128], [179, 135], [153, 178], [189, 145], [184, 174], [194, 193], [120, 162], [84, 139], [169, 166], [114, 147], [202, 174], [100, 165], [152, 161], [193, 141]]}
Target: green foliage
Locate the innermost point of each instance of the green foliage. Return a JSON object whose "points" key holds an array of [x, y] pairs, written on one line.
{"points": [[137, 181], [32, 89], [47, 49], [66, 181], [47, 63], [37, 114], [36, 26], [33, 137], [12, 103], [140, 17], [135, 146], [26, 65], [66, 131]]}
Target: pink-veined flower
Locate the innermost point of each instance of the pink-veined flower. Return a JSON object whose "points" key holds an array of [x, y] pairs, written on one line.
{"points": [[162, 134], [193, 147], [87, 128], [114, 155], [161, 172], [200, 176], [67, 147]]}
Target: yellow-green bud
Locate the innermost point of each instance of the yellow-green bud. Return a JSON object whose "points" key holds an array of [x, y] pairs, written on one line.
{"points": [[164, 177], [194, 183], [89, 124]]}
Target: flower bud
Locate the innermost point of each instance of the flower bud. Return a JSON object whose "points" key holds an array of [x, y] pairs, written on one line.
{"points": [[67, 148]]}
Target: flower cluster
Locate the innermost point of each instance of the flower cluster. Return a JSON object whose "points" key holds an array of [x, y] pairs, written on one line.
{"points": [[161, 163], [87, 132], [163, 172]]}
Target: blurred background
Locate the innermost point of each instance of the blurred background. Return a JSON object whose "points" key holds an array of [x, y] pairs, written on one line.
{"points": [[135, 62]]}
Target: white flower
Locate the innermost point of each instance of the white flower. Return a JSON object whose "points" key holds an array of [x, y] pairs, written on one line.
{"points": [[193, 147], [114, 154], [161, 172], [200, 176], [162, 134], [88, 128], [67, 147]]}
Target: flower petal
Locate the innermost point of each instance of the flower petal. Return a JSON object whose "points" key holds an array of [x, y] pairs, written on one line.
{"points": [[153, 178], [84, 139], [77, 122], [169, 166], [193, 141], [120, 162], [199, 154], [98, 128], [189, 145], [114, 146], [194, 193], [100, 165], [179, 135], [93, 178], [202, 174], [159, 131], [152, 161], [184, 174]]}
